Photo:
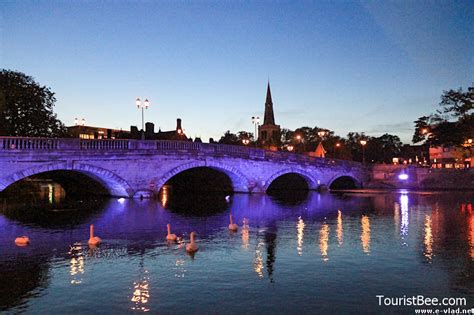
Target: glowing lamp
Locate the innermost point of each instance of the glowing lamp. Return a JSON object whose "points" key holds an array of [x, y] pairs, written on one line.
{"points": [[403, 176]]}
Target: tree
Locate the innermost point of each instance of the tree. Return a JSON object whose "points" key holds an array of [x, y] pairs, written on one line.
{"points": [[229, 138], [383, 149], [354, 146], [453, 124], [237, 139], [26, 108]]}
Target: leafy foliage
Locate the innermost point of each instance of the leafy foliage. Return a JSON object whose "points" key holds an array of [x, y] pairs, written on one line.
{"points": [[26, 108], [236, 139], [453, 124]]}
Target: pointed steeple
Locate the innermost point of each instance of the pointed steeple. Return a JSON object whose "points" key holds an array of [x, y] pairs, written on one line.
{"points": [[269, 118]]}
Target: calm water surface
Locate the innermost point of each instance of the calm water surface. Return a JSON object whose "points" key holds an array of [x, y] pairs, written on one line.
{"points": [[320, 253]]}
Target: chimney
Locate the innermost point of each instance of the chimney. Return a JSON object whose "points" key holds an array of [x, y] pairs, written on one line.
{"points": [[150, 128], [178, 124]]}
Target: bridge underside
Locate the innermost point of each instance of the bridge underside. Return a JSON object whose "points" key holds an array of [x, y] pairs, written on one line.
{"points": [[112, 184]]}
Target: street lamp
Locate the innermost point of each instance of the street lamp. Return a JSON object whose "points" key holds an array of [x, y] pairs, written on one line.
{"points": [[321, 133], [245, 141], [468, 144], [301, 141], [363, 143], [255, 122], [82, 122], [338, 145], [143, 105], [290, 148]]}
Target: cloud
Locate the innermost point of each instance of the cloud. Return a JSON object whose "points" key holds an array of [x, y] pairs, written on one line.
{"points": [[401, 127]]}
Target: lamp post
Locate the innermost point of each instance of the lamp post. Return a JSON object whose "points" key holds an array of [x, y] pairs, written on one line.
{"points": [[336, 146], [78, 122], [245, 141], [301, 141], [255, 122], [321, 134], [290, 148], [363, 143], [468, 144], [143, 105]]}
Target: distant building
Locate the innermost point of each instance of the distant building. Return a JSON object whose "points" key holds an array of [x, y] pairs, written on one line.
{"points": [[269, 134], [150, 134], [413, 154], [319, 152], [451, 157], [90, 132]]}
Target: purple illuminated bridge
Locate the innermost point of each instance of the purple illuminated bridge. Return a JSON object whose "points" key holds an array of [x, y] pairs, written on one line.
{"points": [[130, 168]]}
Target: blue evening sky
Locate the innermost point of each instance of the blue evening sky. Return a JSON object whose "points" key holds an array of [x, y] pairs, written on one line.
{"points": [[371, 66]]}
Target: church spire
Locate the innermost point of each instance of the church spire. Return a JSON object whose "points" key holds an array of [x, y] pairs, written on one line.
{"points": [[269, 118]]}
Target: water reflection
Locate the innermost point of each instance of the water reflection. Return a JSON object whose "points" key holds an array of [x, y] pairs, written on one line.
{"points": [[141, 291], [471, 235], [245, 234], [428, 240], [396, 217], [164, 196], [270, 236], [134, 233], [77, 263], [300, 235], [324, 241], [258, 260], [339, 229], [179, 268], [365, 236], [405, 219]]}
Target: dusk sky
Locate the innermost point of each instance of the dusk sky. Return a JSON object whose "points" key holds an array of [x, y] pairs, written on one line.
{"points": [[371, 67]]}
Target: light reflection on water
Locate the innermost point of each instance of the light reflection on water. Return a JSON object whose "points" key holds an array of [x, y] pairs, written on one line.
{"points": [[346, 253]]}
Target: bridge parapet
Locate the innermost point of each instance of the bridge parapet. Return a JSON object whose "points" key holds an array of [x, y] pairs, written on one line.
{"points": [[15, 144]]}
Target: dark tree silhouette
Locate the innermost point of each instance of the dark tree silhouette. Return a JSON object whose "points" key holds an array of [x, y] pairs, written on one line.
{"points": [[453, 124], [26, 108]]}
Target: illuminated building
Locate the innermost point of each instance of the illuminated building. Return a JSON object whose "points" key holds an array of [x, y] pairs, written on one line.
{"points": [[90, 132]]}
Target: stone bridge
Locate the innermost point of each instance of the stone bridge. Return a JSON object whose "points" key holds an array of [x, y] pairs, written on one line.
{"points": [[131, 168]]}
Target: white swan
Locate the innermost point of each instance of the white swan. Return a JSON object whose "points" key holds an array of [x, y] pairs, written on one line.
{"points": [[93, 240], [22, 240], [192, 246], [232, 226], [170, 237]]}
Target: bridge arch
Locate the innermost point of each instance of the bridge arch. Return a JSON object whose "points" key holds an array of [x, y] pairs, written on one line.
{"points": [[310, 180], [240, 183], [114, 184], [344, 179]]}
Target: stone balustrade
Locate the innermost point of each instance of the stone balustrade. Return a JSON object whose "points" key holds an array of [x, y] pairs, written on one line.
{"points": [[15, 144]]}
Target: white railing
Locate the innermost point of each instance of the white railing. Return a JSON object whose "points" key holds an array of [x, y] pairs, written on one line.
{"points": [[104, 144], [15, 144]]}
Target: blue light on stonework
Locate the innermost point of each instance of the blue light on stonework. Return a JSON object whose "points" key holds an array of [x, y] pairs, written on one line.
{"points": [[403, 176]]}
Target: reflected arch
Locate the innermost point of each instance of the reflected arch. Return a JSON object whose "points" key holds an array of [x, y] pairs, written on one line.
{"points": [[309, 179], [344, 182], [114, 184], [239, 182]]}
